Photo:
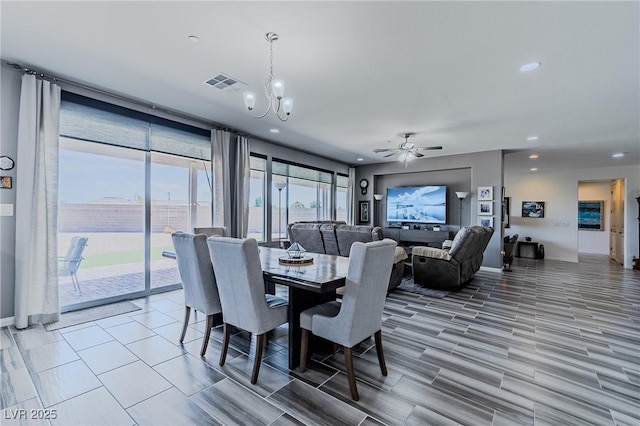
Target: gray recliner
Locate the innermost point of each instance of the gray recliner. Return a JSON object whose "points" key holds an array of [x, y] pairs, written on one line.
{"points": [[359, 316], [241, 285], [447, 269], [198, 280]]}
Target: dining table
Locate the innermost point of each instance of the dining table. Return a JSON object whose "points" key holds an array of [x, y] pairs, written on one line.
{"points": [[309, 284]]}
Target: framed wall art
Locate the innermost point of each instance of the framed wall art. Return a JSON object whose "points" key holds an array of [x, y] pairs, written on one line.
{"points": [[533, 209], [364, 212], [485, 208], [6, 182], [485, 193], [485, 221], [591, 215]]}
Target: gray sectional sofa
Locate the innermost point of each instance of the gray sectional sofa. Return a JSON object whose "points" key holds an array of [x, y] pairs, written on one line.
{"points": [[336, 238], [448, 269]]}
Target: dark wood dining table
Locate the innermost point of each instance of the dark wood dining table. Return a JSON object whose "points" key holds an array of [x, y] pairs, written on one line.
{"points": [[309, 285]]}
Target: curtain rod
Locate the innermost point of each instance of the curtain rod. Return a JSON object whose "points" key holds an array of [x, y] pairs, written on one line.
{"points": [[214, 125]]}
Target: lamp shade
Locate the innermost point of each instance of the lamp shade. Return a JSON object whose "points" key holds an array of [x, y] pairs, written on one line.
{"points": [[280, 185], [461, 195], [378, 197]]}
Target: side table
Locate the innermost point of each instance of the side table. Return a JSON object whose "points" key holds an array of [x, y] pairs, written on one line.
{"points": [[528, 249]]}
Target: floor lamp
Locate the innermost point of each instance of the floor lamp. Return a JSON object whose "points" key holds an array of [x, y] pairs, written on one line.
{"points": [[280, 186], [461, 196], [378, 198]]}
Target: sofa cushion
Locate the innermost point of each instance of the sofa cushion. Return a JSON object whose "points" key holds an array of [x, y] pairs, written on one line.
{"points": [[432, 252], [328, 231], [400, 255], [308, 236], [346, 235]]}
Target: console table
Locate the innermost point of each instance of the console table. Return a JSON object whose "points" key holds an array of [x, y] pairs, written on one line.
{"points": [[528, 249], [415, 237]]}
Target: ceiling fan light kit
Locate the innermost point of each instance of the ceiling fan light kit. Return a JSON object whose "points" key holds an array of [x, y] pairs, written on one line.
{"points": [[407, 151], [273, 89]]}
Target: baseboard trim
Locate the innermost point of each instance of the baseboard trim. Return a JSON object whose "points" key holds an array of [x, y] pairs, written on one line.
{"points": [[5, 322], [490, 269]]}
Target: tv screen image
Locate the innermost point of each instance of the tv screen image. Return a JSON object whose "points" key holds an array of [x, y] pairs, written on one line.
{"points": [[425, 204]]}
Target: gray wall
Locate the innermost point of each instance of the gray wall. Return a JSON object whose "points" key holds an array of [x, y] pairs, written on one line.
{"points": [[460, 173], [9, 102]]}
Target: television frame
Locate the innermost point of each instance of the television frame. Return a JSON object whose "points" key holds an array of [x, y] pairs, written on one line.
{"points": [[435, 212]]}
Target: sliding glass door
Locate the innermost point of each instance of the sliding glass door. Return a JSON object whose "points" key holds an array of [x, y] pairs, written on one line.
{"points": [[101, 198]]}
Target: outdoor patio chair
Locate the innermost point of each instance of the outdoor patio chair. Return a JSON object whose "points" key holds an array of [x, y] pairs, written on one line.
{"points": [[70, 263]]}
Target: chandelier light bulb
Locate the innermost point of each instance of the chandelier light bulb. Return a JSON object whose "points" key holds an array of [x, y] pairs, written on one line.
{"points": [[249, 100], [277, 86], [287, 105]]}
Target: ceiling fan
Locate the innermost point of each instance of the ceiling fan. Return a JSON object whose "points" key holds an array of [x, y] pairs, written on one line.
{"points": [[407, 151]]}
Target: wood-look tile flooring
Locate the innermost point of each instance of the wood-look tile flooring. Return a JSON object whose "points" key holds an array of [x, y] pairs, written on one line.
{"points": [[551, 343]]}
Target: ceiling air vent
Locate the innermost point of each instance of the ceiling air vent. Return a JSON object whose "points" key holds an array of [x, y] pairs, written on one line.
{"points": [[224, 82]]}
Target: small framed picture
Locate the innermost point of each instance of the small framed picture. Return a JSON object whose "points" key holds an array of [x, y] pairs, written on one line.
{"points": [[533, 209], [6, 182], [364, 212], [485, 193], [485, 208], [485, 221]]}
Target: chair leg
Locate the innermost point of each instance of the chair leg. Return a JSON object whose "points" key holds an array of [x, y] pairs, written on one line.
{"points": [[378, 339], [225, 343], [304, 349], [207, 334], [260, 339], [187, 314], [348, 360]]}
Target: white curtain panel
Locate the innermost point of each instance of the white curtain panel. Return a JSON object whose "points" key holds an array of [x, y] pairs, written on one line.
{"points": [[351, 199], [221, 163], [36, 262], [242, 176]]}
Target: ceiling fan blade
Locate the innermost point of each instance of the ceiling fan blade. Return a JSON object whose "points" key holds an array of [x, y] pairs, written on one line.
{"points": [[429, 147], [382, 150], [389, 155], [418, 155]]}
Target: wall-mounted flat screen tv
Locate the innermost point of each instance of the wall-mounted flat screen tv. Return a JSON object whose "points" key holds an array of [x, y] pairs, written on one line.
{"points": [[425, 204]]}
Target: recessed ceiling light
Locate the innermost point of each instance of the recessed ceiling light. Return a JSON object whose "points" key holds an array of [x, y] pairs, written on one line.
{"points": [[533, 138], [618, 155], [533, 156], [530, 66], [194, 39], [274, 130], [534, 169], [359, 159]]}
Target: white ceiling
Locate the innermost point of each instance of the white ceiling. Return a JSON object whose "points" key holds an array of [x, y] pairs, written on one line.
{"points": [[361, 73]]}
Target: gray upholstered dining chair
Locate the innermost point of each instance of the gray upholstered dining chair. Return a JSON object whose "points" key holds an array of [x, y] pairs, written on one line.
{"points": [[360, 314], [210, 231], [245, 305], [198, 280]]}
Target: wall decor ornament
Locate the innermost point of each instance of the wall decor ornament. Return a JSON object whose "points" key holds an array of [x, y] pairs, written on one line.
{"points": [[485, 221], [485, 193], [364, 212], [533, 209], [6, 182], [485, 208], [591, 215]]}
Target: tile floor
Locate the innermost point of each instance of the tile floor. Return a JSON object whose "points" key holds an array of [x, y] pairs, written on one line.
{"points": [[551, 343]]}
